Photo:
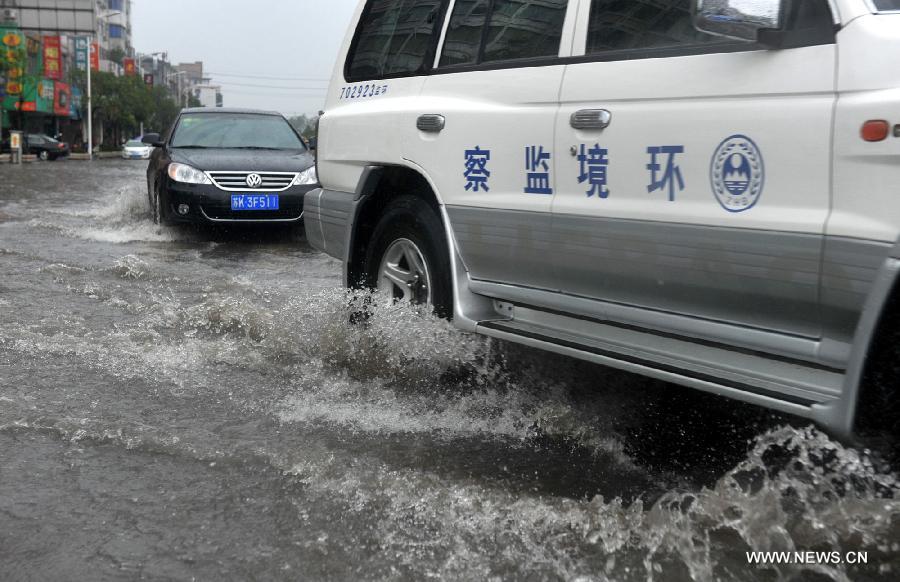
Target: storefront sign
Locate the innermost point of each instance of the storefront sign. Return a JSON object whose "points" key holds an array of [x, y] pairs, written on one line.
{"points": [[11, 44], [62, 100], [52, 58], [95, 56], [130, 67], [81, 53]]}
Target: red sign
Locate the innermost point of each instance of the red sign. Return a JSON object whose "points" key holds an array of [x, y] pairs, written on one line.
{"points": [[52, 58], [95, 56], [130, 67], [62, 99]]}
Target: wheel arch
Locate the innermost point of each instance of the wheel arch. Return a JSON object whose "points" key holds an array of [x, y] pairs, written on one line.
{"points": [[378, 185], [880, 317]]}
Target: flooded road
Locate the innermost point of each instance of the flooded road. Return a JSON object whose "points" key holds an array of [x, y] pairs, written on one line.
{"points": [[180, 404]]}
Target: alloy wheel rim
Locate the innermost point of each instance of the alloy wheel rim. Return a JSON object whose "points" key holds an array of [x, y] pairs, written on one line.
{"points": [[403, 275]]}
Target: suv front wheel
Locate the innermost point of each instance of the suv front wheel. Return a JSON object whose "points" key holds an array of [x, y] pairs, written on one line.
{"points": [[408, 259]]}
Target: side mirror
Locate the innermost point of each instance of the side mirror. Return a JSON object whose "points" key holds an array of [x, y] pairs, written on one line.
{"points": [[152, 139], [739, 19], [313, 143]]}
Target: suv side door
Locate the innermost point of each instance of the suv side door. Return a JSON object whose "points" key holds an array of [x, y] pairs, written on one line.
{"points": [[706, 195], [496, 89]]}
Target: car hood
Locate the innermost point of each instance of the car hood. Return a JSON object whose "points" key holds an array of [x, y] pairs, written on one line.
{"points": [[244, 160]]}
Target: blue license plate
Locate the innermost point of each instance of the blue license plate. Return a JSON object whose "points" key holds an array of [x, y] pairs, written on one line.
{"points": [[254, 201]]}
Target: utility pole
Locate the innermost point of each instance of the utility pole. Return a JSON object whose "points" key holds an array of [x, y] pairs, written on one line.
{"points": [[90, 104]]}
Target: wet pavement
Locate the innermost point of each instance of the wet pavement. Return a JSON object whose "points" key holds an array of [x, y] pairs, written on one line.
{"points": [[194, 404]]}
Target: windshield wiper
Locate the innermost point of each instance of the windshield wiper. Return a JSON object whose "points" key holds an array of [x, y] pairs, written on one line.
{"points": [[191, 147], [254, 148]]}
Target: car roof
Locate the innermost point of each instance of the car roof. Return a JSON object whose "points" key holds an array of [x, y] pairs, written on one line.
{"points": [[229, 110]]}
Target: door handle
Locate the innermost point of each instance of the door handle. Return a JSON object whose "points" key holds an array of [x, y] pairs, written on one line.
{"points": [[431, 123], [591, 119]]}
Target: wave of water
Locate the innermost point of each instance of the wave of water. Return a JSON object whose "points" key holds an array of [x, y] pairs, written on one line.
{"points": [[195, 339]]}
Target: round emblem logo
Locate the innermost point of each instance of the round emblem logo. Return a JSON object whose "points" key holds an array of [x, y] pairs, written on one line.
{"points": [[254, 180], [738, 174]]}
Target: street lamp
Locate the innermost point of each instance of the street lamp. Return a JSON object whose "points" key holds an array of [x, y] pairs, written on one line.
{"points": [[90, 105]]}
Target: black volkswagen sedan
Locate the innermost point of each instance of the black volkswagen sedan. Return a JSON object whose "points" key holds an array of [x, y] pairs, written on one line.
{"points": [[229, 166]]}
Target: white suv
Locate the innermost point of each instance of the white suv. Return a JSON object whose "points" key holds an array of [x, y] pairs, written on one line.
{"points": [[704, 192]]}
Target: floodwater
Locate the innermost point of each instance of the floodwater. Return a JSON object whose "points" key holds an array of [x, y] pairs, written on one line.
{"points": [[183, 404]]}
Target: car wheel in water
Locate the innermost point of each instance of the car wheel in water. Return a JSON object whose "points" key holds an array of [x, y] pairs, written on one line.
{"points": [[408, 259], [160, 209]]}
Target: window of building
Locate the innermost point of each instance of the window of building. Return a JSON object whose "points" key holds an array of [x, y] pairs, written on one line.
{"points": [[115, 4], [395, 38], [116, 31], [516, 29]]}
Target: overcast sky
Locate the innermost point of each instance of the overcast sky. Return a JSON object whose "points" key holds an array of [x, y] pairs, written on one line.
{"points": [[294, 42]]}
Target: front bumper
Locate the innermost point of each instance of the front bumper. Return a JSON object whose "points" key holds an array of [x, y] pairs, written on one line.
{"points": [[329, 217], [209, 204]]}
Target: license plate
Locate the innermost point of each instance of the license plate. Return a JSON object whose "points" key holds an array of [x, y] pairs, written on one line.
{"points": [[254, 201]]}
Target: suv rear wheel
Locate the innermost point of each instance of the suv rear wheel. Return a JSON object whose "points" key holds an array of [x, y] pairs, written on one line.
{"points": [[408, 259]]}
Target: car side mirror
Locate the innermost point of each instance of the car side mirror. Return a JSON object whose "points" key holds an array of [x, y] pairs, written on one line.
{"points": [[746, 20], [152, 139]]}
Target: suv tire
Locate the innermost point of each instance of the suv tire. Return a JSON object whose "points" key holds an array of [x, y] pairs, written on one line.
{"points": [[408, 256]]}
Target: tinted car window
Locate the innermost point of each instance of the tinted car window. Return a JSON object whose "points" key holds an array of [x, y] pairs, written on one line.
{"points": [[887, 5], [235, 130], [651, 24], [642, 24], [523, 29], [395, 37], [463, 41]]}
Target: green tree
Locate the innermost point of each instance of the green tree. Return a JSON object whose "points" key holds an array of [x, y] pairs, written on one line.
{"points": [[116, 55], [122, 104]]}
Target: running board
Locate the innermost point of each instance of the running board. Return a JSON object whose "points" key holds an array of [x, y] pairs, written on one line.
{"points": [[790, 386]]}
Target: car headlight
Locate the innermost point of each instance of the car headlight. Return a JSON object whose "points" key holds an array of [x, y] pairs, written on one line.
{"points": [[187, 174], [306, 177]]}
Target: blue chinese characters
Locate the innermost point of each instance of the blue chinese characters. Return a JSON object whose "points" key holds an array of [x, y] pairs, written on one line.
{"points": [[665, 175], [476, 172], [593, 165], [538, 170]]}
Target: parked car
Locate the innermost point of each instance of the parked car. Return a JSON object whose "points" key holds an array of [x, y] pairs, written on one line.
{"points": [[136, 150], [229, 166], [40, 145], [701, 192]]}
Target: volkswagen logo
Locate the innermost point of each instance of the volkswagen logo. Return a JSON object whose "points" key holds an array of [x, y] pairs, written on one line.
{"points": [[254, 181]]}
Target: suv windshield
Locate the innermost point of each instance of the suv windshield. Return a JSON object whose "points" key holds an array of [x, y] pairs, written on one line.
{"points": [[134, 144], [235, 131], [887, 5]]}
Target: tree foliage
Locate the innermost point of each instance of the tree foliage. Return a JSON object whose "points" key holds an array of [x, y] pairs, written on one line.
{"points": [[307, 126], [122, 104]]}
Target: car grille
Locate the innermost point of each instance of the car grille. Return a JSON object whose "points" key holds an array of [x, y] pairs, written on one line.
{"points": [[237, 181]]}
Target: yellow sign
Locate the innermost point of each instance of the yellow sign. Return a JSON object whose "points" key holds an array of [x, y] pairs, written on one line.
{"points": [[12, 39], [15, 141]]}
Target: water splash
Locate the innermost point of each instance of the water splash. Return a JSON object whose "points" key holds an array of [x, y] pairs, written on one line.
{"points": [[797, 490]]}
